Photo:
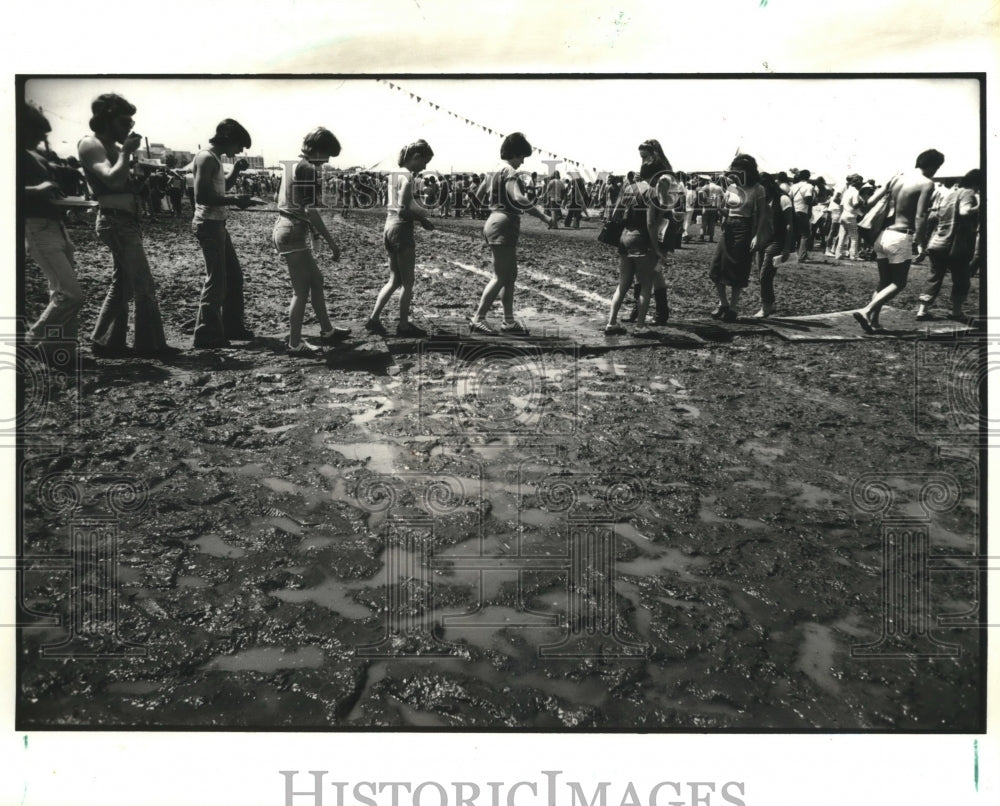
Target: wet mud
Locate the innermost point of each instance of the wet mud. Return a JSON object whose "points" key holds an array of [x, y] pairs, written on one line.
{"points": [[498, 534]]}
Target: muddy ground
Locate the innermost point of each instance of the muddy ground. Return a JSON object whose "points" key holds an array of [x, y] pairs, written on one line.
{"points": [[551, 533]]}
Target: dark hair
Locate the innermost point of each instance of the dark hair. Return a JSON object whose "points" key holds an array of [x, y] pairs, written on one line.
{"points": [[747, 165], [229, 132], [32, 125], [106, 108], [802, 175], [657, 150], [414, 148], [320, 139], [929, 160], [973, 179], [770, 185], [515, 145]]}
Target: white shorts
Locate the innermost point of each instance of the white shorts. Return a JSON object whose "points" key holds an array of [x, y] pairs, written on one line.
{"points": [[894, 246]]}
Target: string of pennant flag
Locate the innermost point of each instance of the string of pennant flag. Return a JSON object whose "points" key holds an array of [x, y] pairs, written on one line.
{"points": [[469, 122]]}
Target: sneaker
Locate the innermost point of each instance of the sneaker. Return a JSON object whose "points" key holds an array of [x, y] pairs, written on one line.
{"points": [[334, 333], [614, 330], [375, 326], [480, 327], [303, 349], [409, 329], [763, 313], [514, 328]]}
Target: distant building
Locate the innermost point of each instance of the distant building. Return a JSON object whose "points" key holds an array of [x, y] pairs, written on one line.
{"points": [[255, 161]]}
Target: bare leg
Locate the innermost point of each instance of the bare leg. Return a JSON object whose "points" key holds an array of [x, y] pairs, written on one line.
{"points": [[300, 272], [388, 289], [504, 273], [625, 276]]}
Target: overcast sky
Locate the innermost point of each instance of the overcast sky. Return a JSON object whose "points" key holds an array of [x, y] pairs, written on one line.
{"points": [[831, 126]]}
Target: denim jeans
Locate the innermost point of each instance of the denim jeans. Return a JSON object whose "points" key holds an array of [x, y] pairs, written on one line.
{"points": [[941, 266], [803, 225], [768, 270], [132, 279], [220, 312], [51, 249]]}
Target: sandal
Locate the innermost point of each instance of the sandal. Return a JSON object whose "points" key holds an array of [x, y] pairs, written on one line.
{"points": [[375, 326], [864, 321]]}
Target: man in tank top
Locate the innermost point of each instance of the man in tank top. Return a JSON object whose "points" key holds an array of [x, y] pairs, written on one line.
{"points": [[220, 312]]}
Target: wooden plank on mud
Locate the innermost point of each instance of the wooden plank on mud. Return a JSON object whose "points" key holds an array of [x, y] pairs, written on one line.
{"points": [[841, 326], [562, 332]]}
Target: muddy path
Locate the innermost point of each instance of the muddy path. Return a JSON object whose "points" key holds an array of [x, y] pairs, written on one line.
{"points": [[497, 534]]}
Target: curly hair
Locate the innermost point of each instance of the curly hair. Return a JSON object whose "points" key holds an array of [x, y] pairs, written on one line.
{"points": [[515, 145], [230, 132], [105, 108]]}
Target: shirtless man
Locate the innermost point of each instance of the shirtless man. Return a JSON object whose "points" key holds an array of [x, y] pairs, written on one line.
{"points": [[911, 195], [106, 167], [220, 313]]}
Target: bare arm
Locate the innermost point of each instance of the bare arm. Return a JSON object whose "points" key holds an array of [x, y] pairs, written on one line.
{"points": [[520, 200], [920, 222], [319, 225], [409, 210], [95, 159]]}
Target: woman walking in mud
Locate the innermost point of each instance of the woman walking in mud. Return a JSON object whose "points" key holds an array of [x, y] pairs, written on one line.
{"points": [[645, 204], [508, 199], [404, 209], [299, 221], [746, 211]]}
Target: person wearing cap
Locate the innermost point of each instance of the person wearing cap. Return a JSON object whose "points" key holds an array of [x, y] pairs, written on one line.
{"points": [[220, 312], [106, 157]]}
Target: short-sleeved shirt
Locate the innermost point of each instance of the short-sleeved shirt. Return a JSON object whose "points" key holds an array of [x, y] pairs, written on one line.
{"points": [[741, 202], [499, 201], [851, 203], [803, 195], [303, 190], [34, 169]]}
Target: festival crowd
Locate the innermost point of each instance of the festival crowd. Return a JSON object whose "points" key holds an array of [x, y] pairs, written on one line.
{"points": [[761, 220]]}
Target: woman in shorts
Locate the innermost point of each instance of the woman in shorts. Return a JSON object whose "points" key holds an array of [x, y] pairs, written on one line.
{"points": [[404, 209], [645, 202], [508, 199], [299, 199]]}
